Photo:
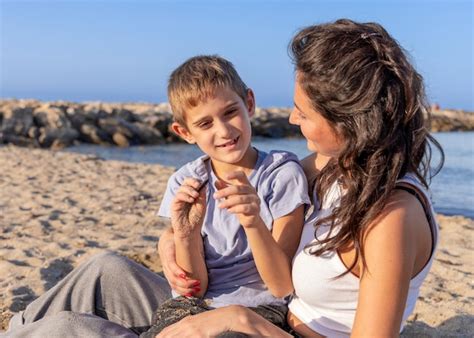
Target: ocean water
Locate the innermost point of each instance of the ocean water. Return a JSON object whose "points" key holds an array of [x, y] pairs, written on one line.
{"points": [[452, 188]]}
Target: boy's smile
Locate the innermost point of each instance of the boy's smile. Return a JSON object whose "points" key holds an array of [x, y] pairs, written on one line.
{"points": [[220, 126], [230, 143]]}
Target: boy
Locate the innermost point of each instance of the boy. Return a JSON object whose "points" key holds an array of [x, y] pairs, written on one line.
{"points": [[237, 212]]}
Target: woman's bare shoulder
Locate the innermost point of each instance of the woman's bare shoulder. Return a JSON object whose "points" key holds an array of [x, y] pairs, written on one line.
{"points": [[403, 227]]}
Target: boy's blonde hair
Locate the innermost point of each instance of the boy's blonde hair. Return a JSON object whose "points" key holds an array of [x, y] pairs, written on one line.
{"points": [[197, 79]]}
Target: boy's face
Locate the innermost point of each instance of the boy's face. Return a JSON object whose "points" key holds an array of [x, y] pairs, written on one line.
{"points": [[220, 126]]}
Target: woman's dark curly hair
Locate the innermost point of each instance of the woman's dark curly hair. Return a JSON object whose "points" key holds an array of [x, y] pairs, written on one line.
{"points": [[360, 80]]}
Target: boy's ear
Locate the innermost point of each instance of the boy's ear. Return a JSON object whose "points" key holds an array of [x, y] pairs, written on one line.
{"points": [[250, 102], [182, 132]]}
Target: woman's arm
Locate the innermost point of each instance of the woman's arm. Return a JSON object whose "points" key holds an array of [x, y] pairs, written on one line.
{"points": [[230, 318], [397, 247]]}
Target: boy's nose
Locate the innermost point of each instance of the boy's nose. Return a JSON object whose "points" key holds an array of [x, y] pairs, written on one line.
{"points": [[224, 130]]}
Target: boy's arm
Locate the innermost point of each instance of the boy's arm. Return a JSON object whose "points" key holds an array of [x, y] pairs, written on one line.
{"points": [[176, 276], [190, 257], [272, 252], [187, 215]]}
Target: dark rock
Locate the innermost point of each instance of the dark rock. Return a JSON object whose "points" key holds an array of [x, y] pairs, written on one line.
{"points": [[97, 110], [124, 114], [274, 128], [135, 133], [78, 117], [91, 134], [57, 138], [33, 132], [112, 124], [162, 122], [17, 121], [50, 117], [18, 140], [148, 134]]}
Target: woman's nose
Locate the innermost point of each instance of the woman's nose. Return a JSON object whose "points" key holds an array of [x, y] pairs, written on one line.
{"points": [[293, 117]]}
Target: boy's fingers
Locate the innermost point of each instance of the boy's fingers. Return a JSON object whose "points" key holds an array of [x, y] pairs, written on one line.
{"points": [[186, 189], [234, 190], [237, 200], [192, 182], [245, 209], [180, 196]]}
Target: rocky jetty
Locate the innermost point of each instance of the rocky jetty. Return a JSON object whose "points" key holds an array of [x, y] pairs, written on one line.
{"points": [[59, 124]]}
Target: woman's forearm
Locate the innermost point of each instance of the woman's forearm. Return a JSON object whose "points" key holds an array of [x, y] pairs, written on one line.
{"points": [[233, 318]]}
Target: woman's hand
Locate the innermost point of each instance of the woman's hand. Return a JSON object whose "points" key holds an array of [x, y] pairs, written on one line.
{"points": [[176, 276], [239, 198], [188, 208], [230, 318]]}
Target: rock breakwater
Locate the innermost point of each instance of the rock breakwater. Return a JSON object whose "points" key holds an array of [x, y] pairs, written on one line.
{"points": [[60, 124]]}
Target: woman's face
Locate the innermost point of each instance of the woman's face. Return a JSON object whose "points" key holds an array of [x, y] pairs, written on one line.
{"points": [[321, 138]]}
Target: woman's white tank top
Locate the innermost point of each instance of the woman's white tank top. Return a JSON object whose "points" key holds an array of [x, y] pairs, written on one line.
{"points": [[326, 304]]}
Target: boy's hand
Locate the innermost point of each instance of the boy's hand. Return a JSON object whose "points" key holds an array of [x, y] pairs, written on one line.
{"points": [[188, 208], [240, 198]]}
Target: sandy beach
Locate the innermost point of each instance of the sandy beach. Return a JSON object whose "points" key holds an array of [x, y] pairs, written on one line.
{"points": [[58, 209]]}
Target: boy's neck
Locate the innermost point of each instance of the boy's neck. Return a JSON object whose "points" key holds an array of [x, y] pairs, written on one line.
{"points": [[246, 164]]}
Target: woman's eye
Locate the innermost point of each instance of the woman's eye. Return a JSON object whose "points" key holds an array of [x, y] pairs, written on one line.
{"points": [[301, 115]]}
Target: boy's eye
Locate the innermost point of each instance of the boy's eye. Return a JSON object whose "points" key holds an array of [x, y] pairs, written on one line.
{"points": [[230, 112], [204, 125]]}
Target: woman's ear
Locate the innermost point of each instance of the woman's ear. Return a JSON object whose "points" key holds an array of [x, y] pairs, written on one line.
{"points": [[183, 132], [250, 102]]}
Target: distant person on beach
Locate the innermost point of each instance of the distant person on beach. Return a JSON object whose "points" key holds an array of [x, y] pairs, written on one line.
{"points": [[369, 242], [236, 215]]}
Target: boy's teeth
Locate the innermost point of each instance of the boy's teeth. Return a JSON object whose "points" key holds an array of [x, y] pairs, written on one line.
{"points": [[229, 143]]}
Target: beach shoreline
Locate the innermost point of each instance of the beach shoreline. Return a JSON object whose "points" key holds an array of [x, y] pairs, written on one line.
{"points": [[57, 209]]}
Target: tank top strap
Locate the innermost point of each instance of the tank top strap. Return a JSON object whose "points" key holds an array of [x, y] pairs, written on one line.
{"points": [[412, 185]]}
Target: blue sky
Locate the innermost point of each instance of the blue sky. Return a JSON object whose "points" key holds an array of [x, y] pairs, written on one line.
{"points": [[125, 50]]}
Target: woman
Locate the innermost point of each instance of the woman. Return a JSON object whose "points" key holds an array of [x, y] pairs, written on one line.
{"points": [[368, 245]]}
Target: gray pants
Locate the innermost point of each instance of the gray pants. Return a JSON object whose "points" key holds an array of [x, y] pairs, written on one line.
{"points": [[108, 296]]}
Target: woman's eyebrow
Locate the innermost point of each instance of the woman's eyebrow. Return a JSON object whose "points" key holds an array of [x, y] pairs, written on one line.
{"points": [[294, 103]]}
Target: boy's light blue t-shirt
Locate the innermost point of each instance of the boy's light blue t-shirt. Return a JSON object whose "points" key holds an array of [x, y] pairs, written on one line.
{"points": [[233, 276]]}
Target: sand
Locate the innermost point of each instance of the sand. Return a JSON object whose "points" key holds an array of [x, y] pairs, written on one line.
{"points": [[58, 209]]}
